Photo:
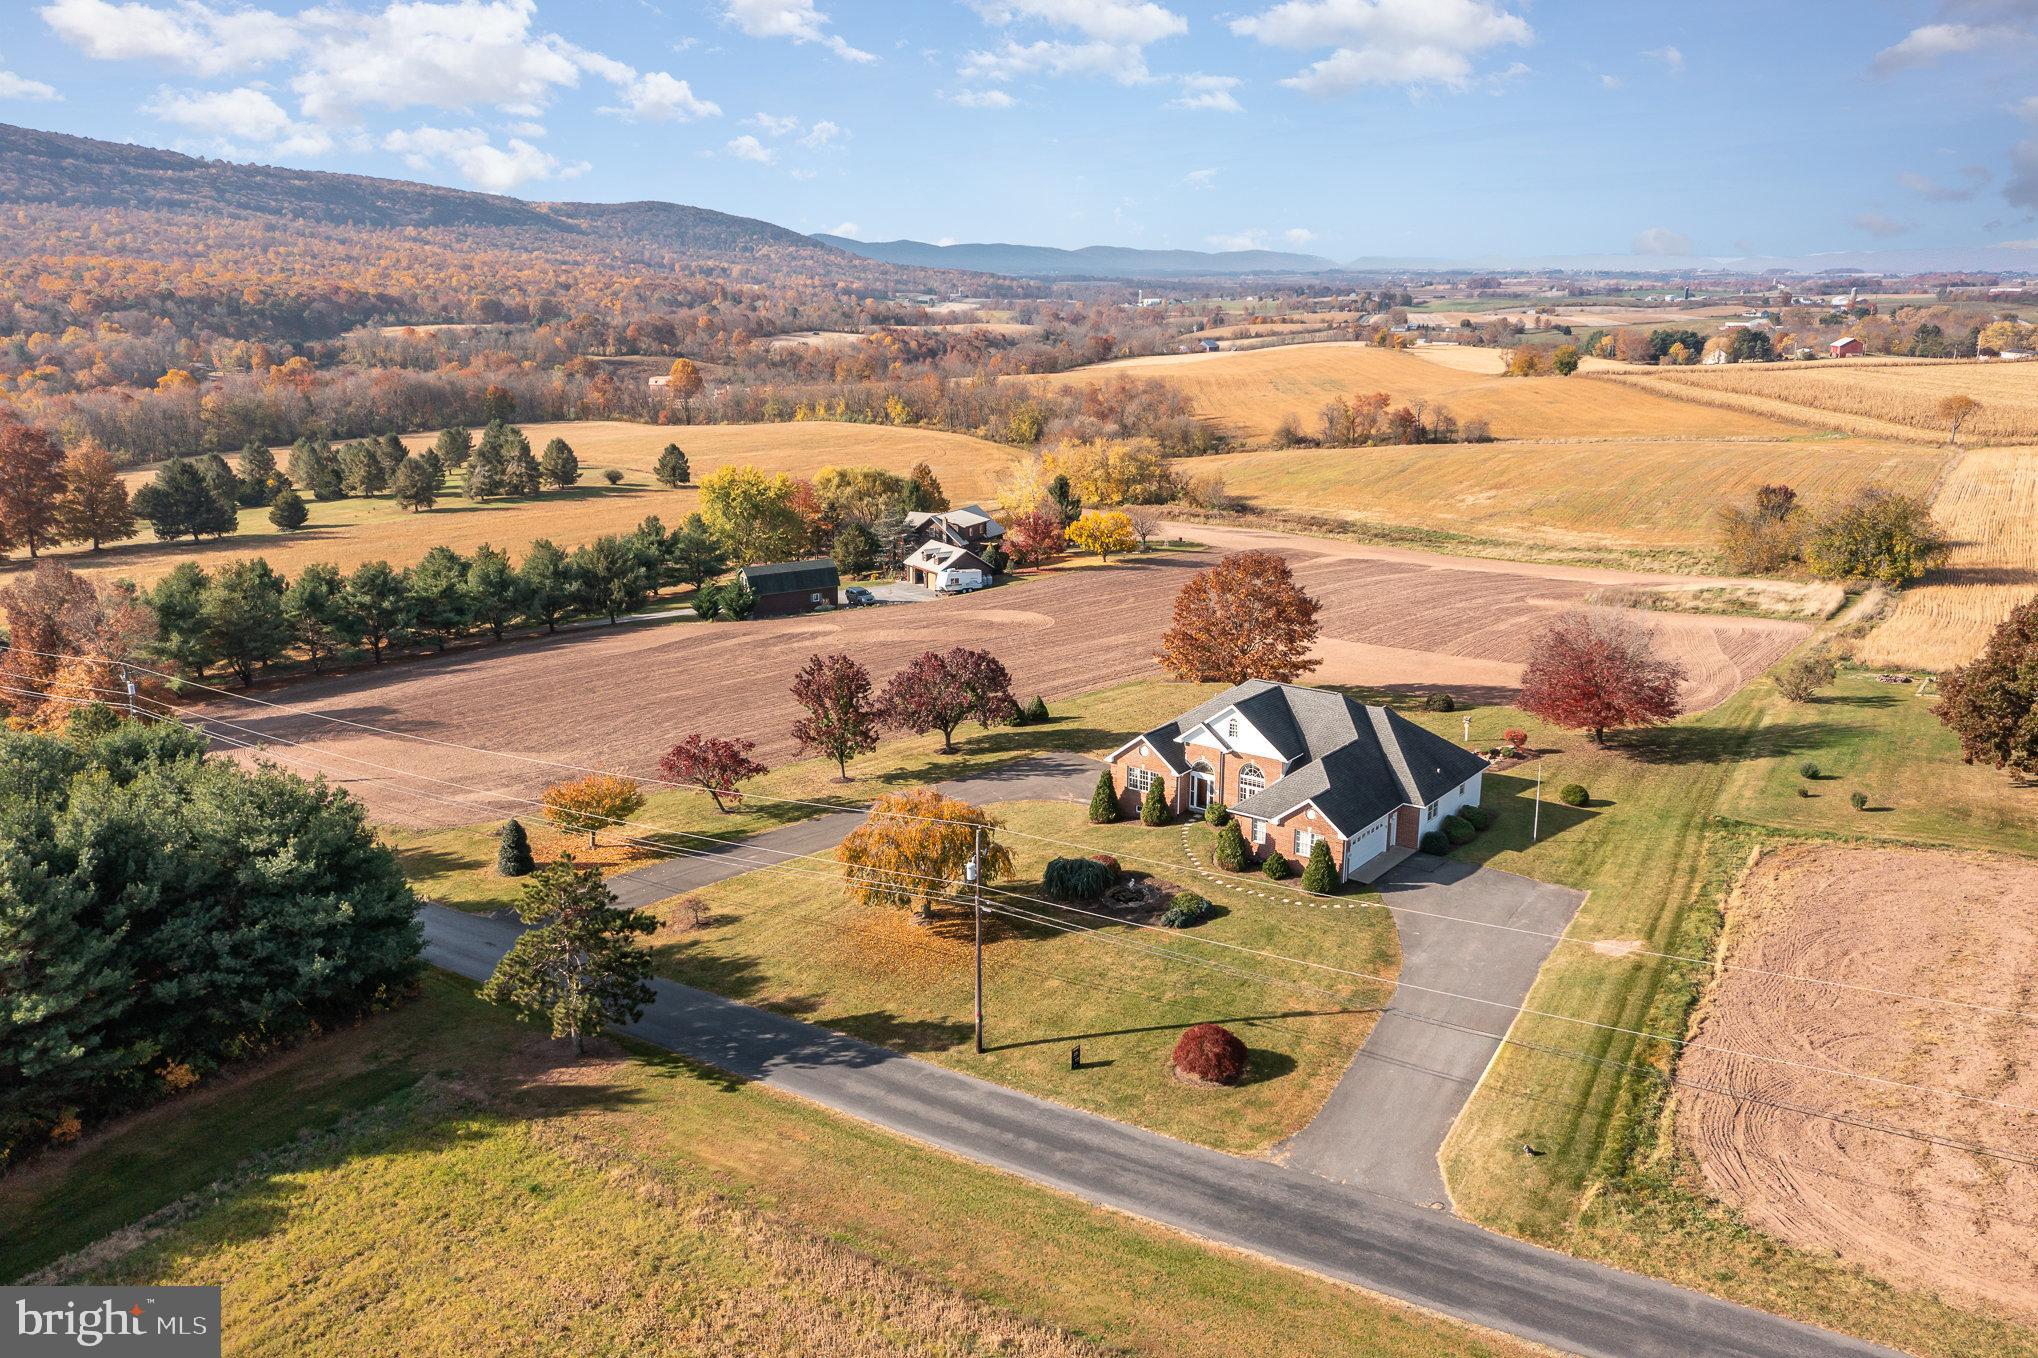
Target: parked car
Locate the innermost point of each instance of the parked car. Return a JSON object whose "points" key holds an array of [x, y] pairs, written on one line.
{"points": [[856, 596]]}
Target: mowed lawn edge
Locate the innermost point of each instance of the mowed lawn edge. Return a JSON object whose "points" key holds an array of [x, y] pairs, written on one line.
{"points": [[463, 1124]]}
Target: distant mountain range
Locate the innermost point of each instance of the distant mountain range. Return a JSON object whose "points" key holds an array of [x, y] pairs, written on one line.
{"points": [[1094, 261], [56, 168]]}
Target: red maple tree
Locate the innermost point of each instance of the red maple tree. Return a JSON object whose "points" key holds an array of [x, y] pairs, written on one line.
{"points": [[1244, 618], [938, 692], [1596, 671], [31, 486], [1035, 537], [714, 764], [841, 719]]}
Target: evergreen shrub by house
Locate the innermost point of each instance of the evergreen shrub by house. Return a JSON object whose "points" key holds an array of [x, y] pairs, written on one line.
{"points": [[1153, 808], [1076, 880], [1104, 801], [1458, 830], [1319, 874]]}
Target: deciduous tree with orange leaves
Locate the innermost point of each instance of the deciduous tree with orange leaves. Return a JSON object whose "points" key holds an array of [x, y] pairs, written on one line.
{"points": [[592, 804], [31, 486], [914, 849], [1244, 618]]}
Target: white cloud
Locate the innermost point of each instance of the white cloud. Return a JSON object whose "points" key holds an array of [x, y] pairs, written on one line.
{"points": [[14, 86], [1880, 226], [1411, 43], [192, 36], [1251, 238], [1927, 45], [239, 118], [1200, 179], [470, 153], [463, 54], [1612, 82], [945, 240], [843, 229], [656, 97], [747, 147], [1298, 235], [824, 133], [1969, 181], [1661, 240], [797, 20], [1672, 59], [1212, 92], [2022, 188], [1126, 22], [775, 126], [1108, 60], [982, 99]]}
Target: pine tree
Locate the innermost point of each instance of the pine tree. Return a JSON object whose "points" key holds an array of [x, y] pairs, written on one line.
{"points": [[1036, 711], [437, 590], [1104, 801], [671, 468], [559, 468], [242, 616], [415, 488], [1319, 876], [1153, 808], [317, 609], [580, 967], [314, 467], [376, 595], [546, 582], [178, 502], [288, 512], [260, 480], [454, 446], [495, 595], [513, 850]]}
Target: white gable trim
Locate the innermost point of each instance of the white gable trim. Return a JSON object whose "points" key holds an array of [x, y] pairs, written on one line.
{"points": [[1248, 741], [1146, 747]]}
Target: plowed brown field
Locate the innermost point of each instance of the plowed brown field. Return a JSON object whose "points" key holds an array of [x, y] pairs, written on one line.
{"points": [[615, 698], [1892, 1179]]}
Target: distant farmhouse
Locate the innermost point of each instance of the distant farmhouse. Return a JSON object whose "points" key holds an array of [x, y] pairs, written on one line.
{"points": [[1298, 765], [949, 550]]}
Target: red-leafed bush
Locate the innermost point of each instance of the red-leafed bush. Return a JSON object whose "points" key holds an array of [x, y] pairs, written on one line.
{"points": [[1209, 1053], [1106, 859]]}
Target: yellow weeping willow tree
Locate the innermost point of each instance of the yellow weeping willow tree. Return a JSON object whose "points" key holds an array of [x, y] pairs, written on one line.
{"points": [[914, 849]]}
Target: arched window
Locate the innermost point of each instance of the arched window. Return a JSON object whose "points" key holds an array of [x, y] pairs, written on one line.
{"points": [[1250, 781]]}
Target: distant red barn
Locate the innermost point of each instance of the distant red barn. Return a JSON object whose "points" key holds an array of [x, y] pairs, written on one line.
{"points": [[1845, 347]]}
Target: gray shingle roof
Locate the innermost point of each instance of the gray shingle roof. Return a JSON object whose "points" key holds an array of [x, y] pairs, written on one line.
{"points": [[1355, 762], [788, 577]]}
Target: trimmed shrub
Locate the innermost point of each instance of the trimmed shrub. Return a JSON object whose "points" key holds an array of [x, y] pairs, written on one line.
{"points": [[1458, 830], [1439, 702], [513, 850], [1231, 853], [1104, 801], [612, 476], [1435, 842], [1275, 869], [1573, 794], [1186, 910], [1481, 817], [1106, 859], [1077, 879], [1217, 814], [1209, 1053], [1808, 769], [1319, 874], [1858, 800], [1037, 709], [1153, 808]]}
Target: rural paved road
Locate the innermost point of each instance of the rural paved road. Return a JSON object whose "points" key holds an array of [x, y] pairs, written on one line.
{"points": [[1039, 778], [1427, 1258], [1384, 1123]]}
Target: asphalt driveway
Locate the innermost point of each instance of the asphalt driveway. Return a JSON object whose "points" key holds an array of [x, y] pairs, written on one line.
{"points": [[1382, 1126]]}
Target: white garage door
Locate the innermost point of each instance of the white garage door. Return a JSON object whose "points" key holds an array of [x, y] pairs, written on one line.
{"points": [[1366, 848]]}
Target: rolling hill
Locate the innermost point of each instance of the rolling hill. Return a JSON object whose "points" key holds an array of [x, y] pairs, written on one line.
{"points": [[1093, 261]]}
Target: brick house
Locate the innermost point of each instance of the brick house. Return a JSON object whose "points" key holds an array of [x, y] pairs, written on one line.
{"points": [[969, 528], [1296, 765]]}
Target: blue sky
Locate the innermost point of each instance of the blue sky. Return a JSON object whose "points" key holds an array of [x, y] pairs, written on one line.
{"points": [[1338, 127]]}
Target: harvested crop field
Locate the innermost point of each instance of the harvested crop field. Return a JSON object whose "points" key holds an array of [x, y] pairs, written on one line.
{"points": [[1893, 1179], [1248, 393], [1988, 504], [348, 532], [1634, 494], [1867, 396], [617, 698]]}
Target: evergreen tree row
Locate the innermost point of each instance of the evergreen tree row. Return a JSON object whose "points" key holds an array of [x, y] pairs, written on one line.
{"points": [[246, 617]]}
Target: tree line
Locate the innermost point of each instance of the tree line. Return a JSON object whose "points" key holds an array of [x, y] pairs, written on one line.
{"points": [[1875, 534]]}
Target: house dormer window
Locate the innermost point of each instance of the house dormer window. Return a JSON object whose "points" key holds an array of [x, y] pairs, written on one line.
{"points": [[1250, 781]]}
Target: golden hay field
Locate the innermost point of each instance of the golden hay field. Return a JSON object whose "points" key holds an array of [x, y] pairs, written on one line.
{"points": [[1989, 504], [1248, 392], [1881, 399], [349, 532], [1613, 493]]}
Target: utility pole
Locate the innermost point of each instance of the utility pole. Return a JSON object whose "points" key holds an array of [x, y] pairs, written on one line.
{"points": [[127, 680], [975, 873], [1536, 829], [1468, 728]]}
